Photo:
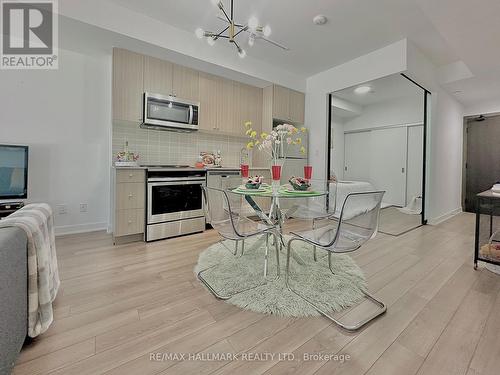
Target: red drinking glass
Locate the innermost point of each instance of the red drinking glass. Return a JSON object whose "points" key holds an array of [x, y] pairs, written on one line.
{"points": [[308, 171], [276, 170], [244, 170]]}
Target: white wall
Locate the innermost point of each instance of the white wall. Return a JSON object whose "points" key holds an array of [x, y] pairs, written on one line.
{"points": [[444, 141], [337, 150], [445, 131], [64, 116], [489, 107], [377, 64], [400, 111]]}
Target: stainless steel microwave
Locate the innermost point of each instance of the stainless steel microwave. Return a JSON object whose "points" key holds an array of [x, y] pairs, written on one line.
{"points": [[165, 112]]}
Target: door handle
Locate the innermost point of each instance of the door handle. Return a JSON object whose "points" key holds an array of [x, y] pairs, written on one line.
{"points": [[402, 170]]}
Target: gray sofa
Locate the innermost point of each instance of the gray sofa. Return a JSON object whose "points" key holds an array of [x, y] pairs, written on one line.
{"points": [[13, 296]]}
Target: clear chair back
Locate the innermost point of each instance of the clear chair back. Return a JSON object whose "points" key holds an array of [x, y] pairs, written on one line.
{"points": [[358, 220], [311, 208], [226, 212]]}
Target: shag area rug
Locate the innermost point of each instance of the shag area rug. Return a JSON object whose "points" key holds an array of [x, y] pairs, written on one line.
{"points": [[227, 274]]}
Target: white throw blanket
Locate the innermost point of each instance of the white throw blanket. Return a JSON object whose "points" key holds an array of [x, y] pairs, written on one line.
{"points": [[37, 221]]}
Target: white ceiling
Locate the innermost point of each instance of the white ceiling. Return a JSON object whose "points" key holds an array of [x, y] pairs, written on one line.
{"points": [[383, 89], [355, 27], [446, 31]]}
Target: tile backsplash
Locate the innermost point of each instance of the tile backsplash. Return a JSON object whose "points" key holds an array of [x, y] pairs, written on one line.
{"points": [[165, 147]]}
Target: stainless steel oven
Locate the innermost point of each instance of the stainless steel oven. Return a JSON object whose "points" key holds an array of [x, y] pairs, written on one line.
{"points": [[175, 204], [169, 113]]}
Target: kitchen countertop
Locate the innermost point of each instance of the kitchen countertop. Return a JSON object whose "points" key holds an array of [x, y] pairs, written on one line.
{"points": [[207, 169]]}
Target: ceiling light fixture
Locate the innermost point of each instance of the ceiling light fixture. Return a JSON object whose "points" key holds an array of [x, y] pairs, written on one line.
{"points": [[320, 20], [234, 29], [362, 90]]}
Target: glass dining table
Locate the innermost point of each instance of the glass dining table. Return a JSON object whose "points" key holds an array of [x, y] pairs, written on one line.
{"points": [[276, 216]]}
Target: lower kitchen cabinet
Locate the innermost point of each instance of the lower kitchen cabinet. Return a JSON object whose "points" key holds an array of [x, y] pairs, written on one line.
{"points": [[130, 192]]}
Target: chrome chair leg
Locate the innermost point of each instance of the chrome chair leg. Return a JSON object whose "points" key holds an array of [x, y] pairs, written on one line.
{"points": [[348, 327], [215, 293], [266, 254], [242, 247], [236, 242], [277, 246]]}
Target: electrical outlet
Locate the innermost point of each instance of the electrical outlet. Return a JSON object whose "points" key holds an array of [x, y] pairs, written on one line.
{"points": [[83, 207], [62, 209]]}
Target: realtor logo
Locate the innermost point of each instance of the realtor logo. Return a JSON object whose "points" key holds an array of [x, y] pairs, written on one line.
{"points": [[29, 34]]}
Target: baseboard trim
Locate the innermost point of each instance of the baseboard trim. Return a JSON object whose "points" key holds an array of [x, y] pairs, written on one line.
{"points": [[443, 218], [80, 228]]}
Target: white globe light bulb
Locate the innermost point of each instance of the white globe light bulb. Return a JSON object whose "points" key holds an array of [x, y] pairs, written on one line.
{"points": [[199, 32], [267, 30], [210, 41], [242, 53], [253, 23], [251, 40]]}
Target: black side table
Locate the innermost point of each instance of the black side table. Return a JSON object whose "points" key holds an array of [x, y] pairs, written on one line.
{"points": [[487, 218]]}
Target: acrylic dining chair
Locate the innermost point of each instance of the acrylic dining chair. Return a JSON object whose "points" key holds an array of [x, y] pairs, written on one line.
{"points": [[316, 209], [358, 223], [231, 224]]}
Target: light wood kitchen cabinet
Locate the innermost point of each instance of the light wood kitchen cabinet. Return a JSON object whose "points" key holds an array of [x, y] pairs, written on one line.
{"points": [[240, 109], [281, 103], [247, 107], [288, 105], [226, 107], [128, 70], [185, 82], [297, 107], [158, 75], [210, 97], [129, 222], [130, 191]]}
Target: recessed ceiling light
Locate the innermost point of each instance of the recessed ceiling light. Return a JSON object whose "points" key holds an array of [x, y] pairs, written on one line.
{"points": [[361, 90], [320, 20]]}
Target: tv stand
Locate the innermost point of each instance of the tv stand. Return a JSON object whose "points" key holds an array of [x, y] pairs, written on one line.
{"points": [[10, 207]]}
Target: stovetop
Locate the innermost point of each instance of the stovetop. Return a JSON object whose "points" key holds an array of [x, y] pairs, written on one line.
{"points": [[169, 166]]}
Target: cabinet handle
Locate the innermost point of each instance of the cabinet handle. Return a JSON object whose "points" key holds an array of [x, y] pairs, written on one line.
{"points": [[131, 175], [130, 221], [131, 195]]}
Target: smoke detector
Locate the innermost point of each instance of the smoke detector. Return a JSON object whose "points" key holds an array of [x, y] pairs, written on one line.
{"points": [[320, 20]]}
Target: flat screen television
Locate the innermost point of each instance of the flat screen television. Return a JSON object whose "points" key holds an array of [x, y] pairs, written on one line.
{"points": [[13, 172]]}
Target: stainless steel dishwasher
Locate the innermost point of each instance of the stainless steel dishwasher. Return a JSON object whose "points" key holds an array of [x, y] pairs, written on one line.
{"points": [[222, 179]]}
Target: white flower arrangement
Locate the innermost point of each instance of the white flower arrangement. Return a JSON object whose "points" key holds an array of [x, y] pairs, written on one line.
{"points": [[270, 143]]}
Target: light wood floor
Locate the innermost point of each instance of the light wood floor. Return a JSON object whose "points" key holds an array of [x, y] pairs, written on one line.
{"points": [[119, 304]]}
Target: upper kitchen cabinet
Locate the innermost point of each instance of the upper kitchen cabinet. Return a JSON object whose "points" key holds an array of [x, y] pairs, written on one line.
{"points": [[226, 107], [297, 106], [247, 107], [185, 83], [252, 108], [210, 97], [288, 105], [158, 76], [281, 103], [128, 89]]}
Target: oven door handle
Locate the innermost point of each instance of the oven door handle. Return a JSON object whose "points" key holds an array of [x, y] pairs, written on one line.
{"points": [[176, 179], [174, 183]]}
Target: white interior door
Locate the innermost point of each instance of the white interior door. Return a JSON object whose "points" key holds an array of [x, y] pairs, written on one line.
{"points": [[415, 162], [388, 163], [357, 156]]}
